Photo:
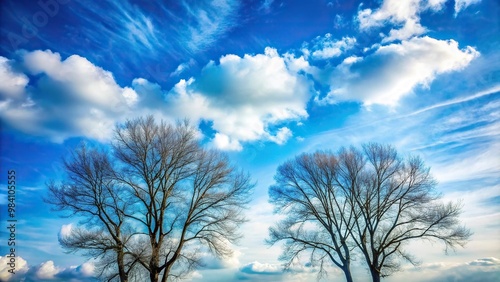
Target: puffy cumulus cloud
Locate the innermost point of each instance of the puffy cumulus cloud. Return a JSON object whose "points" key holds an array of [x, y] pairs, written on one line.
{"points": [[209, 261], [262, 268], [46, 271], [461, 5], [70, 97], [151, 100], [247, 98], [394, 70], [86, 82], [402, 15], [83, 272], [21, 267], [225, 142], [65, 230], [12, 83], [327, 47], [282, 136]]}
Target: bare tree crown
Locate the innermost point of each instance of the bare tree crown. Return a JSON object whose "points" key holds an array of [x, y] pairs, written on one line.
{"points": [[159, 189], [367, 201]]}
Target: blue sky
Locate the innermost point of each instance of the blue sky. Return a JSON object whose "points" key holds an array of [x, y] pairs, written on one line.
{"points": [[264, 81]]}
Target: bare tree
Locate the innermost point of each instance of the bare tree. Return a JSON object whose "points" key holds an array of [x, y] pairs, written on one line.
{"points": [[91, 192], [185, 196], [395, 202], [319, 219], [383, 201], [154, 204]]}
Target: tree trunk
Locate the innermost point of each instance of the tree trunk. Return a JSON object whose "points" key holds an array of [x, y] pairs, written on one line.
{"points": [[153, 275], [165, 275], [347, 273], [154, 261], [121, 268], [168, 267], [153, 267], [375, 274]]}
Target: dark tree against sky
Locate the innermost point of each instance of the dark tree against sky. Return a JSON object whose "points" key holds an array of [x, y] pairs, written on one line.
{"points": [[91, 191], [396, 202], [318, 217], [370, 202], [153, 206]]}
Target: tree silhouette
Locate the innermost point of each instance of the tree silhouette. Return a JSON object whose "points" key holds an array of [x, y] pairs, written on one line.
{"points": [[371, 199], [92, 192], [319, 218], [171, 198]]}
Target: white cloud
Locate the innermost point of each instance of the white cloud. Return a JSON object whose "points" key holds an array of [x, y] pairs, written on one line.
{"points": [[262, 268], [351, 60], [247, 98], [484, 269], [209, 261], [71, 97], [12, 83], [87, 269], [403, 15], [327, 47], [282, 136], [485, 262], [21, 267], [394, 70], [47, 270], [461, 5], [86, 82], [244, 97], [65, 230], [180, 68], [224, 142], [257, 271], [183, 67]]}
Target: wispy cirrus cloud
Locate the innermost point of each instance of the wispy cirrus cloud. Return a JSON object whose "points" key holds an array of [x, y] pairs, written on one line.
{"points": [[158, 27], [458, 139], [461, 5], [150, 40], [211, 21], [450, 124]]}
